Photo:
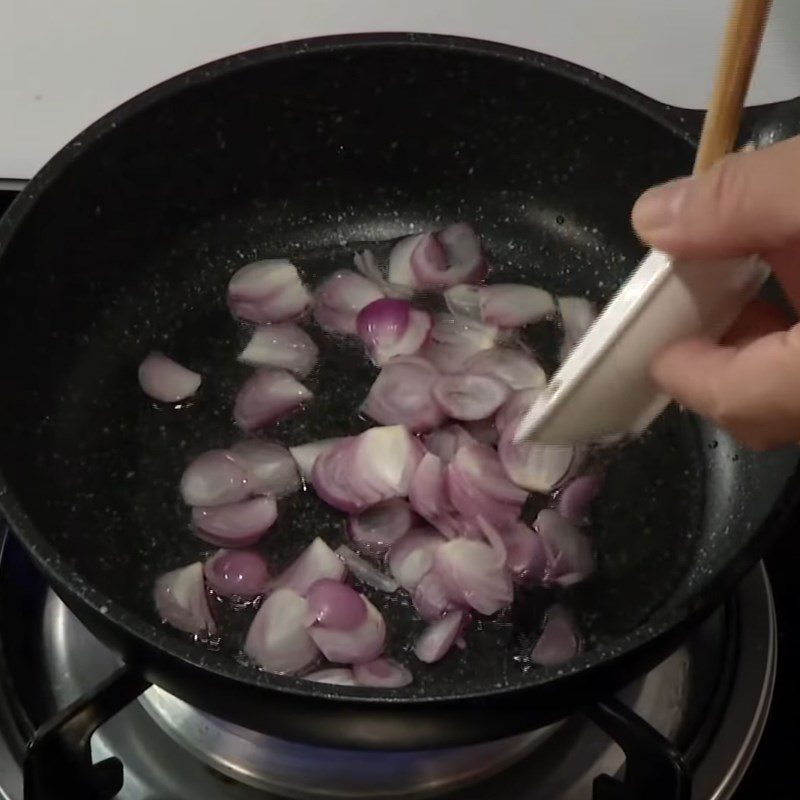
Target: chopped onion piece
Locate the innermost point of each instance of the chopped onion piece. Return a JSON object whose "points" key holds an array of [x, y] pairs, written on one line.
{"points": [[428, 497], [400, 272], [469, 397], [267, 291], [269, 466], [338, 676], [401, 395], [281, 346], [534, 466], [412, 557], [266, 397], [306, 455], [332, 604], [569, 552], [340, 298], [315, 563], [474, 575], [366, 263], [439, 637], [512, 305], [181, 600], [527, 557], [365, 572], [166, 380], [446, 442], [278, 639], [214, 478], [558, 641], [236, 524], [514, 368], [364, 470], [449, 257], [375, 530], [382, 672], [454, 340], [477, 485], [237, 573], [390, 327], [362, 644], [463, 300], [575, 499], [577, 315], [431, 598]]}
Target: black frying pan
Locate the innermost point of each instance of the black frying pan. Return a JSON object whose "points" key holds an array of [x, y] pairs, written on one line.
{"points": [[125, 242]]}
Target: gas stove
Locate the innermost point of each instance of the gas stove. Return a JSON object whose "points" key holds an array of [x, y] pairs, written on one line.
{"points": [[727, 700]]}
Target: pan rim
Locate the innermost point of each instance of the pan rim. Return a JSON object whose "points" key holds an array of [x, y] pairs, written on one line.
{"points": [[69, 584]]}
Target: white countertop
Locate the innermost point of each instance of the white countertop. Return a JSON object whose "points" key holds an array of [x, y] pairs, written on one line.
{"points": [[66, 62]]}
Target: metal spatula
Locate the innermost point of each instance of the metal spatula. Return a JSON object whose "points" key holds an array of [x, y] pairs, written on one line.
{"points": [[603, 390]]}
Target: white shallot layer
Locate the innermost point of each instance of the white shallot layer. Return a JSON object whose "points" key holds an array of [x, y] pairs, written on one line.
{"points": [[166, 380]]}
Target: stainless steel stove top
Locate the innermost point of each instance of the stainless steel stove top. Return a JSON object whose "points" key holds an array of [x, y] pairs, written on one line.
{"points": [[711, 698]]}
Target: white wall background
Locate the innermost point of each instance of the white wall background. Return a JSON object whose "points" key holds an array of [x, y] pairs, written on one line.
{"points": [[63, 63]]}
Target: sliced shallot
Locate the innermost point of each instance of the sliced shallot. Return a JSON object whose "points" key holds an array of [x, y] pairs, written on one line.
{"points": [[166, 380], [182, 601], [575, 499], [514, 368], [390, 327], [412, 557], [570, 553], [236, 524], [267, 291], [577, 315], [340, 298], [526, 554], [512, 305], [558, 641], [364, 470], [366, 263], [445, 442], [431, 597], [468, 396], [534, 466], [281, 346], [428, 497], [474, 574], [266, 397], [214, 478], [269, 466], [315, 563], [364, 571], [362, 644], [382, 672], [451, 256], [237, 573], [338, 676], [477, 485], [376, 529], [515, 408], [306, 455], [455, 339], [278, 639], [333, 604], [401, 395], [437, 639], [400, 272]]}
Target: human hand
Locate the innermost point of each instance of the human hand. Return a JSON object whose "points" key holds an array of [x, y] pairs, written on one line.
{"points": [[748, 203]]}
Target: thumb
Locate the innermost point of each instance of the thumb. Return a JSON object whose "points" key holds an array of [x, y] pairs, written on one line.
{"points": [[747, 203]]}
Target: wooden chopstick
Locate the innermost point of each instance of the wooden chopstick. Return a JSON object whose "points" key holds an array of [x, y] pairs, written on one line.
{"points": [[743, 35]]}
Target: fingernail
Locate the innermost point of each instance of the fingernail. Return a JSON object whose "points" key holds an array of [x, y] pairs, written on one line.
{"points": [[660, 206]]}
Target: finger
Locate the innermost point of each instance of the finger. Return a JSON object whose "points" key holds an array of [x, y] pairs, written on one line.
{"points": [[752, 390], [758, 319], [747, 203]]}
